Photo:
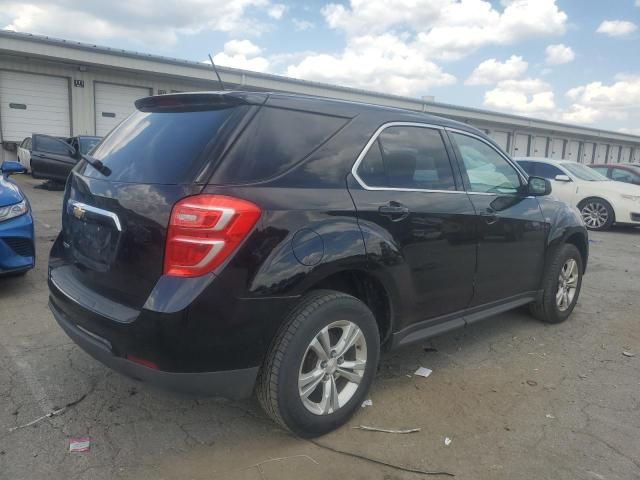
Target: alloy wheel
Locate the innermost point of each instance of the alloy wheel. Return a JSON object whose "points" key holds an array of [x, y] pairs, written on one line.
{"points": [[332, 367], [595, 215], [567, 284]]}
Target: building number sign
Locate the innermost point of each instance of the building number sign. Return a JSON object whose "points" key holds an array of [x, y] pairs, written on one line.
{"points": [[78, 83]]}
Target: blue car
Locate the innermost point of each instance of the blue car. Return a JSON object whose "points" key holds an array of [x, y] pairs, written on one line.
{"points": [[17, 247]]}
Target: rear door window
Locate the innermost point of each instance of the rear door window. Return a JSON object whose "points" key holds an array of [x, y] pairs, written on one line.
{"points": [[408, 157], [275, 141], [163, 147]]}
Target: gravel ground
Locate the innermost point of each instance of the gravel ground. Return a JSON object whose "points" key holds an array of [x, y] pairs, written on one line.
{"points": [[517, 398]]}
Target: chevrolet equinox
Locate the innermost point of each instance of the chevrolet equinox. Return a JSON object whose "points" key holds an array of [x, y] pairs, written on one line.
{"points": [[226, 242]]}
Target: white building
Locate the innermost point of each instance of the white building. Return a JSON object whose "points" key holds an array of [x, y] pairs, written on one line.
{"points": [[68, 88]]}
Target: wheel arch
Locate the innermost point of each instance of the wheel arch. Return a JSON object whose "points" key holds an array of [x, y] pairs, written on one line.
{"points": [[367, 288]]}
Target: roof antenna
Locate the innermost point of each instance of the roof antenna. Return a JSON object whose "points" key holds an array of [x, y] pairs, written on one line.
{"points": [[217, 74]]}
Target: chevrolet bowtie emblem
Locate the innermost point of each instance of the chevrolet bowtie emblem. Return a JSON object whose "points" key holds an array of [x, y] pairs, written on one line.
{"points": [[78, 212]]}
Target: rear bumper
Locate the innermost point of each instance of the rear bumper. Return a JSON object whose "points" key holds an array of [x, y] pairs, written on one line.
{"points": [[236, 384]]}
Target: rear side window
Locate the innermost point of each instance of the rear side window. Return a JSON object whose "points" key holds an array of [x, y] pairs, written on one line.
{"points": [[408, 157], [527, 166], [159, 147], [275, 140]]}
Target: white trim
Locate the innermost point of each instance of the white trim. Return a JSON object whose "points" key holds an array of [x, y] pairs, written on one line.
{"points": [[372, 140]]}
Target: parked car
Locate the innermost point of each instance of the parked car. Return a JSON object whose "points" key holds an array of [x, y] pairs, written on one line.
{"points": [[52, 158], [227, 241], [601, 201], [620, 172], [24, 153], [17, 250]]}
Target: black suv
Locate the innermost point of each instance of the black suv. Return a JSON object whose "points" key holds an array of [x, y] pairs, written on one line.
{"points": [[221, 242]]}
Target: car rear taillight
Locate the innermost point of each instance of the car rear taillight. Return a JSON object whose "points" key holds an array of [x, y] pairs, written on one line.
{"points": [[204, 230]]}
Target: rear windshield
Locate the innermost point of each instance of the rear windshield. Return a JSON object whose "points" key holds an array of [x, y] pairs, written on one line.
{"points": [[159, 147]]}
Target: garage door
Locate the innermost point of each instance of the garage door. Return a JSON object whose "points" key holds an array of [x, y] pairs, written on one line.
{"points": [[501, 138], [614, 151], [114, 103], [557, 148], [33, 104], [625, 155], [636, 155], [521, 147], [587, 152], [571, 153], [540, 147], [601, 154]]}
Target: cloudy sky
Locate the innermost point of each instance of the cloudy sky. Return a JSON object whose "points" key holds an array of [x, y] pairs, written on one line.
{"points": [[575, 61]]}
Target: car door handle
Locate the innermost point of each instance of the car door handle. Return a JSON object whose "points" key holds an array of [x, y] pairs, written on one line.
{"points": [[489, 217], [394, 211]]}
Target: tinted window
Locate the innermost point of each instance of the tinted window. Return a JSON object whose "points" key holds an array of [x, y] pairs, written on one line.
{"points": [[159, 147], [275, 140], [527, 166], [622, 175], [51, 145], [545, 170], [408, 157], [487, 170]]}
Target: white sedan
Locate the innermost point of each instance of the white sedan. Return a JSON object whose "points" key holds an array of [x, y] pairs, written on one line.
{"points": [[602, 202], [24, 153]]}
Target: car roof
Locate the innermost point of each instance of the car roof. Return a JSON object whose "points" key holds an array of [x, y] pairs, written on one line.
{"points": [[623, 165]]}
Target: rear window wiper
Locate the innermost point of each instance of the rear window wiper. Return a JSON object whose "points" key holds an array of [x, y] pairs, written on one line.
{"points": [[95, 163]]}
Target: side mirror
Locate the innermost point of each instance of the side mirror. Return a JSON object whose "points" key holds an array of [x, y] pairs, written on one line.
{"points": [[562, 178], [538, 186], [9, 167]]}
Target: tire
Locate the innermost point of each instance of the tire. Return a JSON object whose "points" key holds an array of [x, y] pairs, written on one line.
{"points": [[593, 211], [548, 308], [291, 355]]}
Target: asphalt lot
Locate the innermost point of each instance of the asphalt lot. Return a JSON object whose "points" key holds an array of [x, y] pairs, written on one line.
{"points": [[517, 398]]}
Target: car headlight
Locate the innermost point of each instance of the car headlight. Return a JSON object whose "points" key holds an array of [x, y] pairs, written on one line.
{"points": [[13, 211], [633, 198]]}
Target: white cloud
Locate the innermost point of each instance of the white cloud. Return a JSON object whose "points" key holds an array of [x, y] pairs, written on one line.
{"points": [[140, 21], [242, 54], [383, 63], [617, 28], [595, 101], [449, 29], [276, 11], [492, 71], [559, 54], [304, 25], [527, 96]]}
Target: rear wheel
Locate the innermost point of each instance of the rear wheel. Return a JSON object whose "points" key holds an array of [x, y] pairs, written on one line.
{"points": [[597, 213], [321, 364], [561, 286]]}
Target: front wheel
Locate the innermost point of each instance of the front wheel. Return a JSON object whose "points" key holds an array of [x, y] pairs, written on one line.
{"points": [[597, 214], [561, 286], [321, 364]]}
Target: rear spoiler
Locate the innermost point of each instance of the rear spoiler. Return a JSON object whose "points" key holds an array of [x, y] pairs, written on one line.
{"points": [[198, 101]]}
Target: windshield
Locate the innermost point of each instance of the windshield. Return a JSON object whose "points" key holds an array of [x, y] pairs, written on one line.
{"points": [[87, 144], [584, 173]]}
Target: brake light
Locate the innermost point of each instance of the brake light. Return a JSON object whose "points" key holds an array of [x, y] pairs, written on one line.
{"points": [[204, 230]]}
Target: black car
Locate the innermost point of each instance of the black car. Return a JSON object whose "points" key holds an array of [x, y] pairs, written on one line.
{"points": [[52, 158], [232, 241]]}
